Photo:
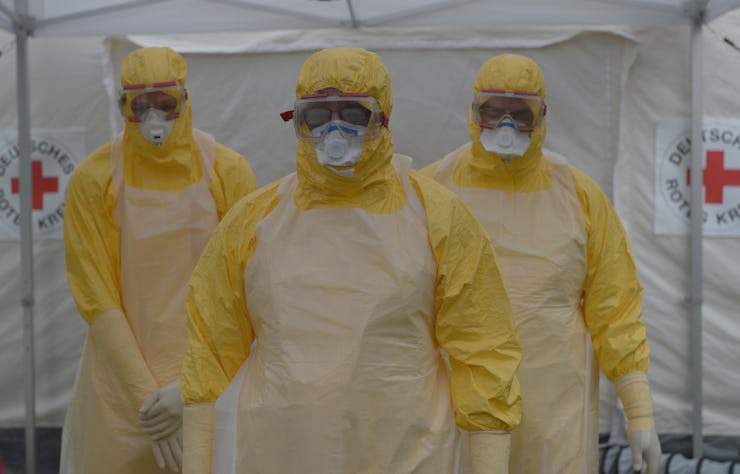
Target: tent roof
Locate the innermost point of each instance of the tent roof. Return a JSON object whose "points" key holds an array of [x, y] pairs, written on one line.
{"points": [[115, 17]]}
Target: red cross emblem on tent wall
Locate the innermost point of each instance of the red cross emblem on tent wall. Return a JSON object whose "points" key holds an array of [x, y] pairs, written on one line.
{"points": [[54, 156], [720, 177], [716, 177], [41, 184]]}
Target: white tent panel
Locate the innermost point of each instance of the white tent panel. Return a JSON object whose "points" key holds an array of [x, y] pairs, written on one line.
{"points": [[374, 39]]}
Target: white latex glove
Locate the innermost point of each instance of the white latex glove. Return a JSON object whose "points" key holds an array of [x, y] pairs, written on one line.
{"points": [[634, 391], [168, 451], [489, 452], [645, 446], [160, 415]]}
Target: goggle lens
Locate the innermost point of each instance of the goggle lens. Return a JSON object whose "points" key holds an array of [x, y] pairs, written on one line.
{"points": [[316, 115], [523, 110], [492, 115], [136, 101], [154, 100], [357, 110]]}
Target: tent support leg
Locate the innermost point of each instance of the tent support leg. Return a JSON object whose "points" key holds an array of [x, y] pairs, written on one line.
{"points": [[26, 234], [697, 199]]}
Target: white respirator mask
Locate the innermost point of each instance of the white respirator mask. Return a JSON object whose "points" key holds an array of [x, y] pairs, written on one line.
{"points": [[505, 140], [155, 126], [340, 145]]}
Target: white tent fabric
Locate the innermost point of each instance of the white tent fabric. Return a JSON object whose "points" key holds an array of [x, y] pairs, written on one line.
{"points": [[607, 86], [113, 17]]}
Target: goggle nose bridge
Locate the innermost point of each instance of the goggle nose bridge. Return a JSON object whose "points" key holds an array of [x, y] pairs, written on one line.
{"points": [[503, 122], [345, 131]]}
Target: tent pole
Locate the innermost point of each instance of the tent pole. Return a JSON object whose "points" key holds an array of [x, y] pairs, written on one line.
{"points": [[697, 200], [24, 171], [352, 16]]}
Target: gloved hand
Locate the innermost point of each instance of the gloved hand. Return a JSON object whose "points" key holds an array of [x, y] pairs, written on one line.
{"points": [[168, 451], [489, 452], [160, 415], [634, 392]]}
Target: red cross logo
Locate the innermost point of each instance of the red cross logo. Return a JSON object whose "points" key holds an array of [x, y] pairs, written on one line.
{"points": [[716, 177], [41, 184]]}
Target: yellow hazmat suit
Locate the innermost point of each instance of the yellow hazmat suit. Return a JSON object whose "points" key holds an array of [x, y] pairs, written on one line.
{"points": [[569, 273], [137, 218], [319, 308]]}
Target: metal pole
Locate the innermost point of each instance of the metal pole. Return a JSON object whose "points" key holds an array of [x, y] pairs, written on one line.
{"points": [[352, 16], [24, 170], [697, 200]]}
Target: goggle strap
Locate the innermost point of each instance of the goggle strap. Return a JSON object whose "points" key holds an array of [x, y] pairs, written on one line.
{"points": [[156, 85], [505, 92], [383, 119], [287, 116], [341, 94]]}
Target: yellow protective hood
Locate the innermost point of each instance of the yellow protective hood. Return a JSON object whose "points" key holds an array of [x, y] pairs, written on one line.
{"points": [[374, 180], [508, 72], [175, 164]]}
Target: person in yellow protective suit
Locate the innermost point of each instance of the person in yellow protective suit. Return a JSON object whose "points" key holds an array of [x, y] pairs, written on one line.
{"points": [[568, 269], [139, 212], [320, 307]]}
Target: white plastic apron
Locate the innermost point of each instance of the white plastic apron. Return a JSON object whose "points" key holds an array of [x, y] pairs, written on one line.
{"points": [[540, 243], [162, 237], [345, 376]]}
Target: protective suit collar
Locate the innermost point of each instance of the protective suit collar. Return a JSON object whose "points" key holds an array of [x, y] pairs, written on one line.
{"points": [[489, 163]]}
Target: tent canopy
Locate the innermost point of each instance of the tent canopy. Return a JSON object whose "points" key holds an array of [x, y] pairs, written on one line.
{"points": [[54, 18], [118, 17]]}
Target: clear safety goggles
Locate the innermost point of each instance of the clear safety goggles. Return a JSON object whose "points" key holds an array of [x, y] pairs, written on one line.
{"points": [[135, 100], [314, 111], [524, 109]]}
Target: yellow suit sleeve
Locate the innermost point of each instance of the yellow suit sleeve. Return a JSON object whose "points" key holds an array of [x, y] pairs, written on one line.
{"points": [[220, 332], [489, 452], [198, 428], [634, 392], [612, 294], [92, 238], [474, 321], [117, 351], [232, 179]]}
